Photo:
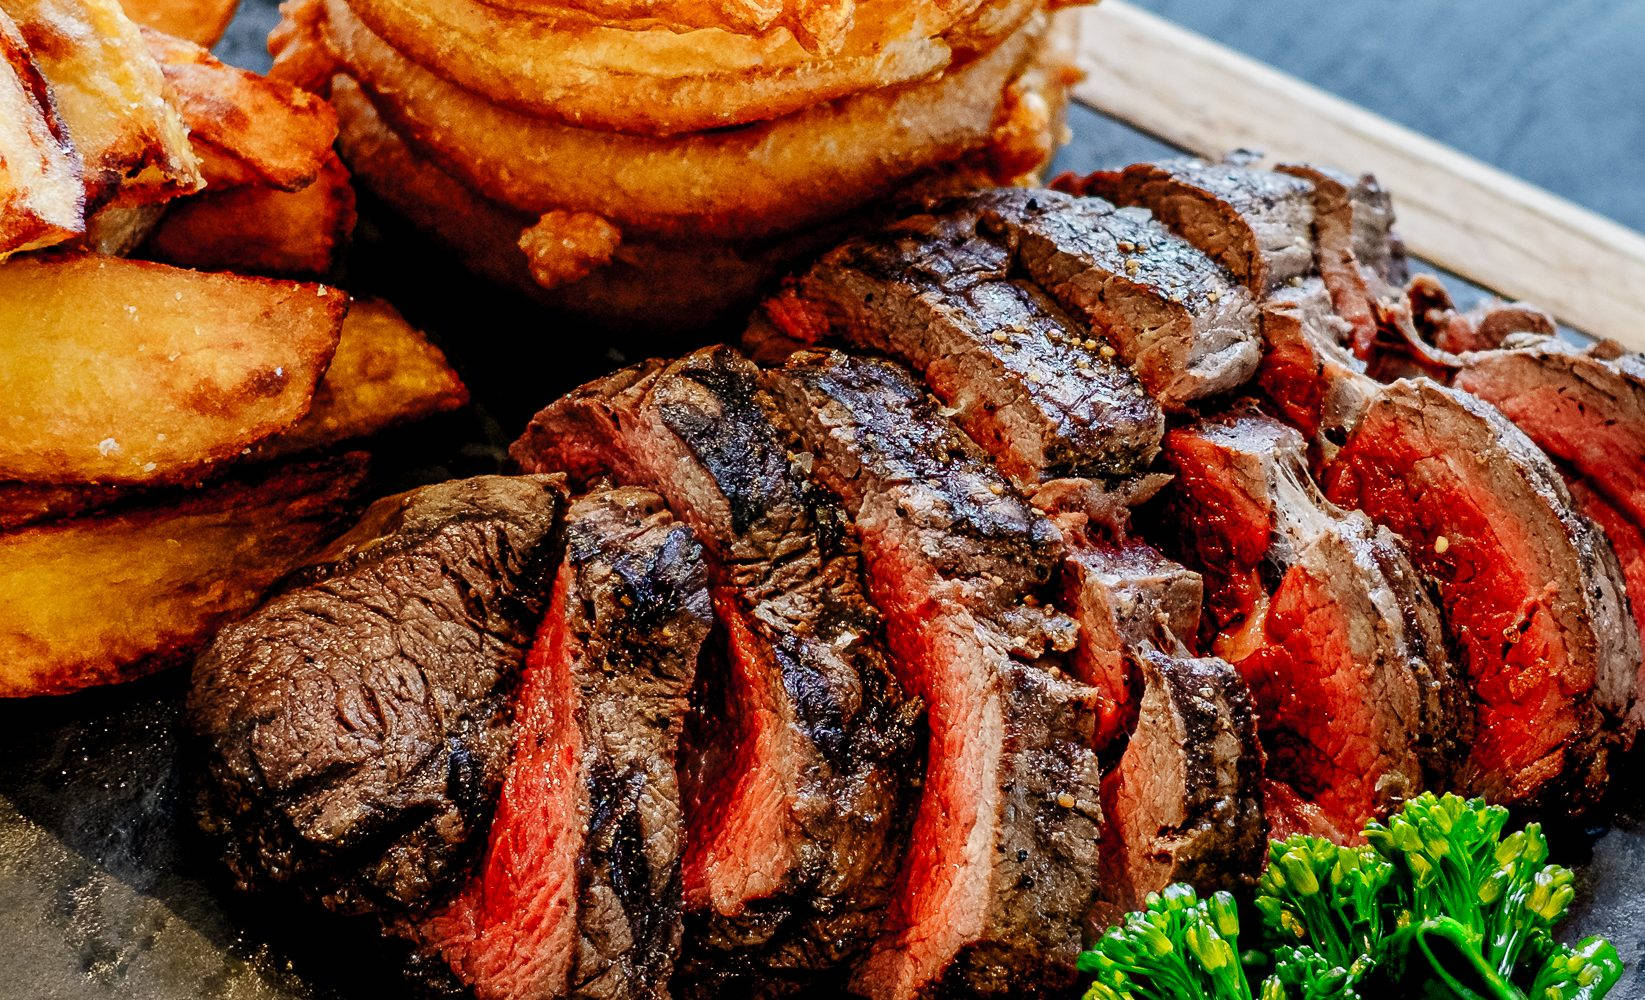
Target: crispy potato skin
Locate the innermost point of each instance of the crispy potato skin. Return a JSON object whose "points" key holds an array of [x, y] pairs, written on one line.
{"points": [[256, 229], [112, 597], [248, 129], [385, 374], [138, 373], [113, 99], [42, 192]]}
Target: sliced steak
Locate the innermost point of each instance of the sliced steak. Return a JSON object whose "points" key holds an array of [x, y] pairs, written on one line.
{"points": [[578, 894], [1324, 616], [1355, 251], [1259, 224], [1126, 597], [1532, 596], [358, 726], [1307, 376], [1003, 861], [1584, 409], [1175, 316], [803, 743], [1022, 376], [1628, 542], [1184, 804]]}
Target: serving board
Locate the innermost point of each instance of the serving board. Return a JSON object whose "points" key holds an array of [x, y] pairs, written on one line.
{"points": [[106, 892]]}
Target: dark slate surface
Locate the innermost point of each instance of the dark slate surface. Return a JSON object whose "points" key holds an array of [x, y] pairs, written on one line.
{"points": [[105, 893]]}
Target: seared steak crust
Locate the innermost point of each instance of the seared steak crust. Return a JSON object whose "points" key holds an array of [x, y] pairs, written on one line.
{"points": [[1018, 372], [579, 891], [1173, 314], [1003, 858], [1532, 596], [358, 725], [801, 746], [1256, 223]]}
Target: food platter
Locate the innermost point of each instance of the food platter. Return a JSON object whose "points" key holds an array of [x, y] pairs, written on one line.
{"points": [[105, 889]]}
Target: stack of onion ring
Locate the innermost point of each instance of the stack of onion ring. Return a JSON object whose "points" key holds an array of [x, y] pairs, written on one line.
{"points": [[655, 161]]}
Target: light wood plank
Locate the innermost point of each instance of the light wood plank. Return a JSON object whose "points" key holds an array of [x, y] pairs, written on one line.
{"points": [[1455, 211]]}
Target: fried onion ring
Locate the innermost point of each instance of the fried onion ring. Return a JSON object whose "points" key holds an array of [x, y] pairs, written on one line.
{"points": [[746, 183], [661, 81]]}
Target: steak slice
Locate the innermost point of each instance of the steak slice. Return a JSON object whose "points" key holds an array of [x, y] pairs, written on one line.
{"points": [[359, 724], [1259, 224], [1628, 542], [1307, 377], [1125, 596], [801, 747], [1184, 803], [578, 894], [1172, 314], [1580, 407], [1003, 859], [1022, 376], [1325, 618], [1532, 596], [1355, 251]]}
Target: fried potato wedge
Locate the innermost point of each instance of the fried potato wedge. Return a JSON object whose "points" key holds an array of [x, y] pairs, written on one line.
{"points": [[131, 372], [112, 97], [385, 374], [114, 596], [121, 226], [260, 230], [200, 21], [248, 129], [42, 193]]}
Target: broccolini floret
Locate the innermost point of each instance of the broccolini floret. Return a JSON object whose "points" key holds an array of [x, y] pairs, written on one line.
{"points": [[1437, 904]]}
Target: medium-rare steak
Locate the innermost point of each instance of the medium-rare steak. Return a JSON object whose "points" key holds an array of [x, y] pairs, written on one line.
{"points": [[804, 740], [1307, 376], [1355, 251], [1324, 616], [1184, 803], [1628, 542], [1580, 407], [578, 894], [1021, 376], [1532, 596], [1173, 314], [1259, 224], [1003, 859], [1586, 407], [357, 727], [1125, 596]]}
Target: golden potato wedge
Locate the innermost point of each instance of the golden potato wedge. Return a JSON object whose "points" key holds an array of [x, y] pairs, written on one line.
{"points": [[200, 21], [247, 128], [112, 97], [42, 193], [114, 596], [259, 229], [131, 372], [385, 374]]}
